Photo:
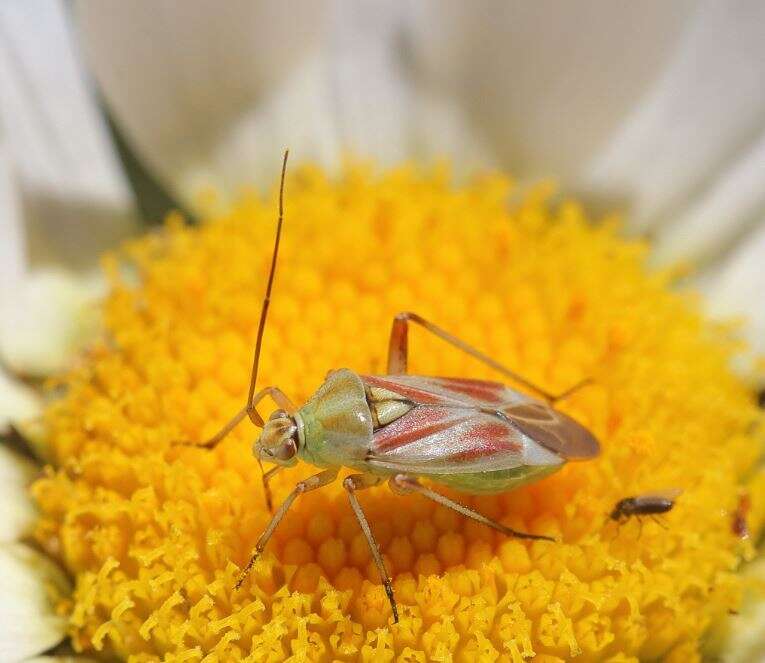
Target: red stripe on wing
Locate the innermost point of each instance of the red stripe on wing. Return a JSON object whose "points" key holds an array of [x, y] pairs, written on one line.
{"points": [[420, 422], [441, 435], [446, 391], [488, 437], [413, 393], [480, 390]]}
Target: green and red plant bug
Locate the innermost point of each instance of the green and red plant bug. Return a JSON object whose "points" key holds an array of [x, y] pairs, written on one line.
{"points": [[471, 435]]}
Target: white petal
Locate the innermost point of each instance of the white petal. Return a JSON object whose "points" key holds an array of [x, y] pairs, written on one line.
{"points": [[179, 80], [60, 659], [691, 127], [546, 82], [224, 121], [442, 129], [208, 69], [372, 97], [17, 402], [744, 642], [68, 182], [382, 108], [348, 90], [16, 473], [250, 149], [62, 193], [29, 624], [12, 236], [48, 319], [736, 287], [720, 215]]}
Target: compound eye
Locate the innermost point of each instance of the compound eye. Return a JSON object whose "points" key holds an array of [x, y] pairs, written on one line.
{"points": [[277, 414], [285, 451]]}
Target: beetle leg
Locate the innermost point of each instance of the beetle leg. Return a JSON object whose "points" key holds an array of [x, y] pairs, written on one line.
{"points": [[311, 483], [398, 352], [353, 483], [403, 484]]}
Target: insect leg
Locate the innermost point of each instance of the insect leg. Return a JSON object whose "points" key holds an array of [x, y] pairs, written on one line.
{"points": [[658, 522], [398, 351], [311, 483], [401, 483], [276, 394], [353, 483], [266, 488]]}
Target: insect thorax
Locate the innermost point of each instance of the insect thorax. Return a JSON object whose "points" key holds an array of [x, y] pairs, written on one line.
{"points": [[336, 424], [386, 406]]}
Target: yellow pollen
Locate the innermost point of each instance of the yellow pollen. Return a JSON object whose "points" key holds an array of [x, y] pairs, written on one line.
{"points": [[155, 534]]}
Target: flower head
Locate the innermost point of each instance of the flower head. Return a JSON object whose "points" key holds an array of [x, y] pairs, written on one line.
{"points": [[155, 533]]}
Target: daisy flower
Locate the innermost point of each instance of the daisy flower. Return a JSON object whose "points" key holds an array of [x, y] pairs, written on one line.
{"points": [[128, 546]]}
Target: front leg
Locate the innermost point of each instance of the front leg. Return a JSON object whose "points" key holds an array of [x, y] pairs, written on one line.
{"points": [[311, 483], [276, 394]]}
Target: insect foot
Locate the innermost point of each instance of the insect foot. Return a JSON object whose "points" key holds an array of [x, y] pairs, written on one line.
{"points": [[246, 571]]}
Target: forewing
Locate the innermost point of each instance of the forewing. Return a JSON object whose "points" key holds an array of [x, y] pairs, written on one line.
{"points": [[554, 430], [670, 494], [460, 426], [433, 439], [455, 392]]}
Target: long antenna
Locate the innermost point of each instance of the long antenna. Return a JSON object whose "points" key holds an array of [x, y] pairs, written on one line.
{"points": [[267, 298]]}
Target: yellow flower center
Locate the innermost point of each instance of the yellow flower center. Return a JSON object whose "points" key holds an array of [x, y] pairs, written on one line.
{"points": [[155, 533]]}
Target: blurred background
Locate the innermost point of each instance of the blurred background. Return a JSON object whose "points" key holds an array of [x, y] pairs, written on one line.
{"points": [[113, 113]]}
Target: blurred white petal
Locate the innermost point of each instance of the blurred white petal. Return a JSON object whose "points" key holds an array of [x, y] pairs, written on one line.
{"points": [[743, 641], [547, 83], [720, 215], [382, 107], [16, 473], [63, 197], [699, 117], [71, 191], [225, 120], [48, 319], [372, 98], [249, 149], [444, 130], [180, 82], [32, 583], [60, 659], [17, 402], [736, 287], [12, 252]]}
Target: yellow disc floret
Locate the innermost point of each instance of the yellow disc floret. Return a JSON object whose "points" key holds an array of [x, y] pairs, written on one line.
{"points": [[155, 533]]}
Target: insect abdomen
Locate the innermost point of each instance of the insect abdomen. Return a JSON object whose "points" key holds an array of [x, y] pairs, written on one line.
{"points": [[492, 482]]}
